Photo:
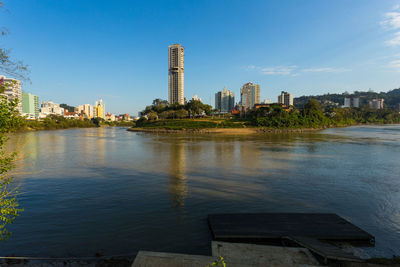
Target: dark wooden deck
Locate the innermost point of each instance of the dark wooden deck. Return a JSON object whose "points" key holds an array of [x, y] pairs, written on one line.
{"points": [[270, 227]]}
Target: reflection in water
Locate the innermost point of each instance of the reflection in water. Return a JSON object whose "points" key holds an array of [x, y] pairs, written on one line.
{"points": [[76, 183], [177, 178], [28, 148]]}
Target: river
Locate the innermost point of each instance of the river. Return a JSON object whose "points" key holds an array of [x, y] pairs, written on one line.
{"points": [[116, 192]]}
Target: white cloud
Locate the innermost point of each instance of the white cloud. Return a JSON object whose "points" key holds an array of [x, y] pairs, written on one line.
{"points": [[278, 70], [395, 41], [251, 67], [330, 70], [293, 70], [391, 20], [395, 65]]}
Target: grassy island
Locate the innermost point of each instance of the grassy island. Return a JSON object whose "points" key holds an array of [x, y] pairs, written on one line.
{"points": [[197, 117]]}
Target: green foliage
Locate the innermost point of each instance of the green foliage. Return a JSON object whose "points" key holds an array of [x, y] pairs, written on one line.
{"points": [[53, 122], [347, 116], [219, 262], [314, 116], [392, 98], [120, 123], [175, 124], [9, 118], [161, 110]]}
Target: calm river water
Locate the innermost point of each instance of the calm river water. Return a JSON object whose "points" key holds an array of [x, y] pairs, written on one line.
{"points": [[109, 190]]}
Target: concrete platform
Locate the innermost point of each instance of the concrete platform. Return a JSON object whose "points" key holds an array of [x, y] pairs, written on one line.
{"points": [[234, 254], [157, 259], [260, 255]]}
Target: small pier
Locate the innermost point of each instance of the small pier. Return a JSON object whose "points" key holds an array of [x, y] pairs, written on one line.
{"points": [[270, 227], [304, 239], [315, 231]]}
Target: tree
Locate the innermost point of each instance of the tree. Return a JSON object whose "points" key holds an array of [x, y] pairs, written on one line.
{"points": [[9, 119], [181, 113]]}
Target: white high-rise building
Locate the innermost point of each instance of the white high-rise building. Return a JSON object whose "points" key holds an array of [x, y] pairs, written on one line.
{"points": [[351, 102], [249, 95], [48, 108], [224, 101], [286, 99], [86, 109], [12, 90], [176, 71], [347, 102]]}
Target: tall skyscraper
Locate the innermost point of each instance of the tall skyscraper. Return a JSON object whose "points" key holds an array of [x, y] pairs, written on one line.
{"points": [[176, 55], [12, 90], [224, 101], [30, 105], [249, 95], [286, 99]]}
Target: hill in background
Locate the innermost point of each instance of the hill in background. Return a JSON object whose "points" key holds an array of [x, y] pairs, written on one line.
{"points": [[392, 98]]}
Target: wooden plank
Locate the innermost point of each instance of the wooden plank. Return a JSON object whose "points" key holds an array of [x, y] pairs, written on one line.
{"points": [[274, 226]]}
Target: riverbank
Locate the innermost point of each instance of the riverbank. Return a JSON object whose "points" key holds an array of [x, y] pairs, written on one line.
{"points": [[45, 125], [230, 126], [227, 131]]}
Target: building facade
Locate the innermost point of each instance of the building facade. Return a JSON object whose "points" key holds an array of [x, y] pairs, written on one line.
{"points": [[100, 109], [249, 95], [285, 99], [110, 117], [30, 105], [351, 102], [87, 110], [176, 71], [376, 103], [224, 101], [12, 90], [48, 108], [196, 98]]}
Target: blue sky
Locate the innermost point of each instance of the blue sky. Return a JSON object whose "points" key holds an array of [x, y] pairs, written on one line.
{"points": [[82, 50]]}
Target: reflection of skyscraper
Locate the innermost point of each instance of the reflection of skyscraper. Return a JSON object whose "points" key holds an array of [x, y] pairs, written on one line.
{"points": [[177, 176]]}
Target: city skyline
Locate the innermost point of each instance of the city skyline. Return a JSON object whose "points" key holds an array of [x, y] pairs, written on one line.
{"points": [[356, 50]]}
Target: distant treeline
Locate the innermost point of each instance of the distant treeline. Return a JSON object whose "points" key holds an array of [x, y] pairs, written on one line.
{"points": [[53, 122], [392, 98], [313, 115]]}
